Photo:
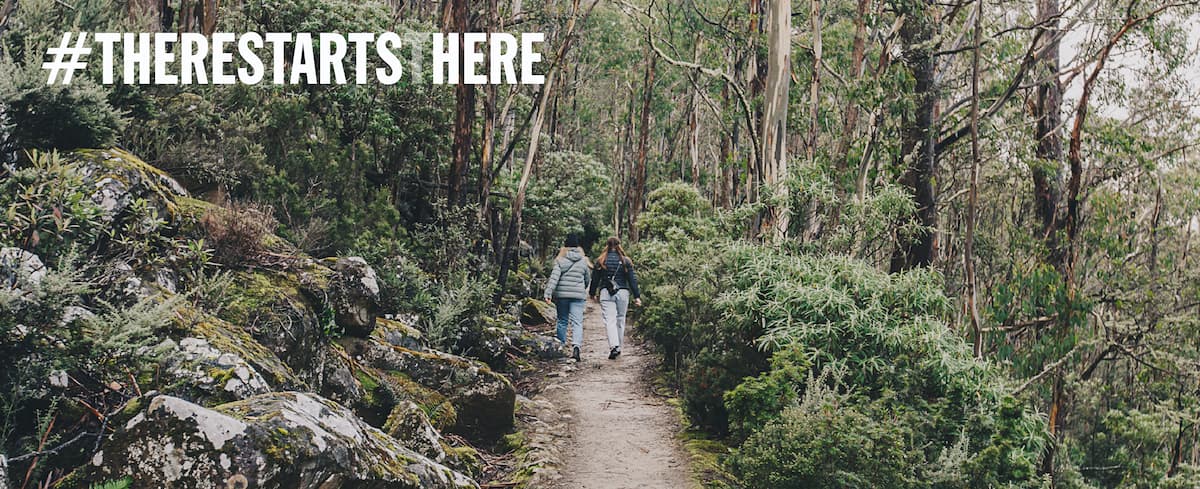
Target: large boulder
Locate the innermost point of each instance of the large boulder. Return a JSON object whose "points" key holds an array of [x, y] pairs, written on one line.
{"points": [[281, 440], [278, 309], [20, 268], [118, 179], [536, 312], [409, 423], [539, 346], [212, 375], [400, 332], [483, 400], [353, 295], [221, 358]]}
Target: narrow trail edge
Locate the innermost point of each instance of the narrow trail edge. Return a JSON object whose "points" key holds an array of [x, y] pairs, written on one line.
{"points": [[622, 435]]}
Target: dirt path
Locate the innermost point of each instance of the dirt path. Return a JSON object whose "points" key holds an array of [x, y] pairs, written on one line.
{"points": [[622, 435]]}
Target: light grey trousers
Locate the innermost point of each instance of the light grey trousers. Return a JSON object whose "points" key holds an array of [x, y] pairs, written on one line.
{"points": [[613, 308]]}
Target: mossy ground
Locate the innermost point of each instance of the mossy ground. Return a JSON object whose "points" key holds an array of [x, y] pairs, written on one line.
{"points": [[704, 453]]}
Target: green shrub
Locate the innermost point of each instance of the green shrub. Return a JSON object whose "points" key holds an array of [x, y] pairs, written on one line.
{"points": [[760, 400], [830, 441], [458, 320], [745, 324], [46, 207], [48, 333], [42, 116]]}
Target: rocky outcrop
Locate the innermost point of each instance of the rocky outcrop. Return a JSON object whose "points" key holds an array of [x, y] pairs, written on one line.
{"points": [[20, 268], [284, 377], [483, 400], [536, 312], [118, 179], [279, 440], [353, 295]]}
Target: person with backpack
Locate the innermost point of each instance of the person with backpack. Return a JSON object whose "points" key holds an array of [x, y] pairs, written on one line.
{"points": [[613, 281], [567, 289]]}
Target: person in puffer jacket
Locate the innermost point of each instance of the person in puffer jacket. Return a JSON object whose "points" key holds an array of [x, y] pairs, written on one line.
{"points": [[567, 289]]}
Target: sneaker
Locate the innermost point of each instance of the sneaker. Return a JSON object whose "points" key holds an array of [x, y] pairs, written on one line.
{"points": [[575, 353], [618, 351], [612, 354]]}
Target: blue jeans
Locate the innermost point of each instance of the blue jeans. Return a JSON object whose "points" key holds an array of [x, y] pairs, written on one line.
{"points": [[570, 310]]}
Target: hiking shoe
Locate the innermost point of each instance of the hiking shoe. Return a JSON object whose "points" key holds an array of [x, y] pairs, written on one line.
{"points": [[612, 354], [575, 353]]}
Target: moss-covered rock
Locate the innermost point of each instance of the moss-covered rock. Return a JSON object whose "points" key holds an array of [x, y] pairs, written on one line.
{"points": [[352, 295], [409, 423], [539, 346], [537, 312], [210, 375], [397, 332], [279, 440], [217, 361], [276, 309], [119, 178], [483, 399]]}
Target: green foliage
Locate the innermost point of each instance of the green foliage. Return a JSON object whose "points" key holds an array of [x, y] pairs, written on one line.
{"points": [[54, 116], [570, 194], [760, 400], [42, 116], [458, 320], [913, 398], [46, 207], [122, 483], [676, 212], [829, 441], [48, 332], [403, 286]]}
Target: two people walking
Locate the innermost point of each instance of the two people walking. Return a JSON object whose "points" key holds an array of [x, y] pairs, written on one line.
{"points": [[612, 281]]}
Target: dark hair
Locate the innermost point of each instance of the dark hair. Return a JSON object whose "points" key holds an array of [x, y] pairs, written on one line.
{"points": [[572, 240], [613, 244]]}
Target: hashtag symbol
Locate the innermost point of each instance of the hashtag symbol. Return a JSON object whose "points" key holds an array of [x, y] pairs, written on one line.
{"points": [[71, 64]]}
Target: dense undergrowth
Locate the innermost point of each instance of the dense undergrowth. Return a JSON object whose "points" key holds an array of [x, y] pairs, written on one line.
{"points": [[821, 371]]}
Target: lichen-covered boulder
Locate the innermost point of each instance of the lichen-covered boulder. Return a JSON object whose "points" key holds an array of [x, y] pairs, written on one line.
{"points": [[118, 179], [409, 424], [483, 400], [353, 295], [539, 346], [19, 267], [233, 347], [399, 332], [210, 375], [491, 346], [279, 440], [278, 309]]}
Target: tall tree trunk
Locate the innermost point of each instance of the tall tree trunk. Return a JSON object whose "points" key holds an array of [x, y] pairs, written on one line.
{"points": [[973, 192], [919, 150], [774, 121], [464, 110], [1070, 220], [814, 88], [637, 199], [518, 203], [1047, 173], [487, 154], [693, 136], [850, 118]]}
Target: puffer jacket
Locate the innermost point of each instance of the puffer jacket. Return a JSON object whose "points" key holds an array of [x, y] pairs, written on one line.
{"points": [[570, 278]]}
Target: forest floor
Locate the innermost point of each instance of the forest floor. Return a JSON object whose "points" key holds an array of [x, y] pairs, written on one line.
{"points": [[622, 434]]}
